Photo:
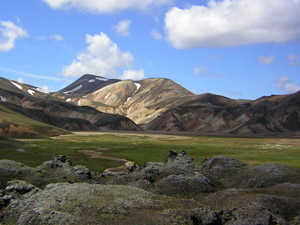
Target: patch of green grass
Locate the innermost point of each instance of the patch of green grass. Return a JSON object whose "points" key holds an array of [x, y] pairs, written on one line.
{"points": [[145, 148], [108, 216]]}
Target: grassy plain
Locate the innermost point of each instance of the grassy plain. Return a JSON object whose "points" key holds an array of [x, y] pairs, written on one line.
{"points": [[106, 149]]}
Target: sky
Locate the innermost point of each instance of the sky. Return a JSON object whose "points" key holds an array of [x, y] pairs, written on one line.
{"points": [[242, 49]]}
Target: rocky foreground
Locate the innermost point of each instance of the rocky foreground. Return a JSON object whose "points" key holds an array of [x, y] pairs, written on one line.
{"points": [[220, 191]]}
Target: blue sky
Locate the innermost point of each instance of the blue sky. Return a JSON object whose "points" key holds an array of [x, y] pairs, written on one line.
{"points": [[235, 48]]}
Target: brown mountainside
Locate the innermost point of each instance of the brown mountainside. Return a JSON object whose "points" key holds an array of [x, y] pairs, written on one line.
{"points": [[27, 111], [154, 104], [270, 115], [141, 101]]}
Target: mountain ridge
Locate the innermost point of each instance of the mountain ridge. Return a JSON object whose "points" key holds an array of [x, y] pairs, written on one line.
{"points": [[27, 112], [156, 104]]}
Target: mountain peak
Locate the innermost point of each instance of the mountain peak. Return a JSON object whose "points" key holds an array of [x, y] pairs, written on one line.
{"points": [[87, 84]]}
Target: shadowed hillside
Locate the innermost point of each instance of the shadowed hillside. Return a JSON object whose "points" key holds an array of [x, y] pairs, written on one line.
{"points": [[154, 104]]}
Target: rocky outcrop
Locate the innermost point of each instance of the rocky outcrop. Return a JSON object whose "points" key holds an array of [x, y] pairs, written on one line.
{"points": [[232, 173], [220, 191], [260, 206], [59, 169], [179, 175]]}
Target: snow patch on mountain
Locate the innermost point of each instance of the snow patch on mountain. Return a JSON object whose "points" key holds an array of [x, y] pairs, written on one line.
{"points": [[102, 78], [31, 91], [78, 103], [17, 85], [2, 99], [106, 96], [42, 90], [128, 99], [138, 86], [92, 80], [68, 100], [73, 90]]}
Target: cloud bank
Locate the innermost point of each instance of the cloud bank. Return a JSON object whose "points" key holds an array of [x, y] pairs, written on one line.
{"points": [[104, 58], [229, 23], [105, 6], [266, 60], [293, 60], [122, 28], [133, 74], [287, 85], [57, 37], [10, 32], [156, 35]]}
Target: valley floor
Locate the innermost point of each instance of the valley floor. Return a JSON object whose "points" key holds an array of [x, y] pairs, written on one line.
{"points": [[114, 148]]}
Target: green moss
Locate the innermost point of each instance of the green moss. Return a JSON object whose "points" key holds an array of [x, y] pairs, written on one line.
{"points": [[143, 148], [108, 216]]}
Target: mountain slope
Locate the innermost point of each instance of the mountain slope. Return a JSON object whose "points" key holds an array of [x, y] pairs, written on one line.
{"points": [[268, 115], [15, 122], [161, 104], [87, 84], [25, 112], [154, 104], [141, 101], [72, 117]]}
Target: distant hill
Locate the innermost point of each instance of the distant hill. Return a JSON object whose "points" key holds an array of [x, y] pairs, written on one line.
{"points": [[87, 84], [161, 104], [97, 103], [141, 101], [28, 111], [15, 122], [216, 114]]}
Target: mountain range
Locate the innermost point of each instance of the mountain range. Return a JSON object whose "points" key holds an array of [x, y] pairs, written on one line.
{"points": [[96, 103]]}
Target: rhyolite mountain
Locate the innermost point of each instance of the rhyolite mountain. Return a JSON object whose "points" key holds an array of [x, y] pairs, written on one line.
{"points": [[163, 105], [28, 111], [211, 113], [95, 103], [87, 84]]}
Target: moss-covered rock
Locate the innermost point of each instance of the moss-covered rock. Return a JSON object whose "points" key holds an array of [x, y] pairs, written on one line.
{"points": [[59, 169]]}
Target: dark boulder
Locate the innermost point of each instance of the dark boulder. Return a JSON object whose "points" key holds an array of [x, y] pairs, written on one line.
{"points": [[248, 207], [10, 170], [267, 175], [227, 172], [186, 185], [59, 169]]}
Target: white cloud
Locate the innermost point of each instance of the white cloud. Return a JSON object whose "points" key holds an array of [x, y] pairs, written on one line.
{"points": [[122, 28], [228, 23], [18, 20], [21, 80], [287, 85], [266, 60], [292, 57], [133, 74], [199, 70], [57, 37], [204, 71], [40, 38], [30, 74], [156, 35], [293, 60], [106, 6], [10, 32], [194, 91], [233, 93], [102, 57], [45, 89]]}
